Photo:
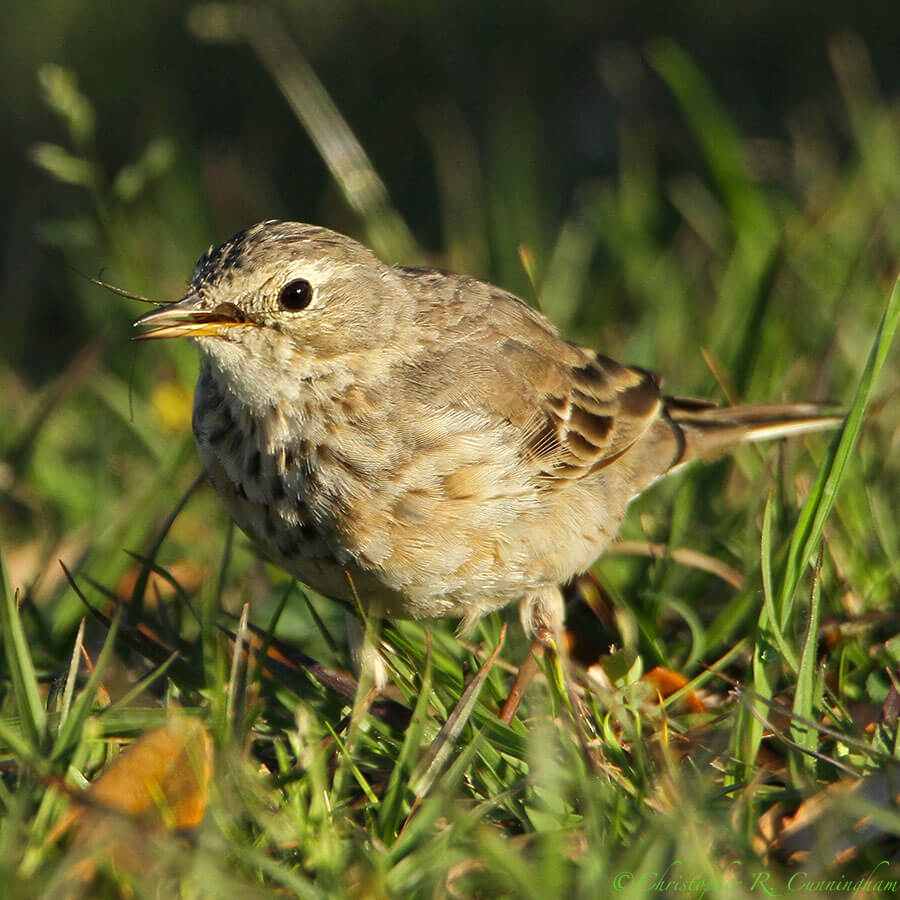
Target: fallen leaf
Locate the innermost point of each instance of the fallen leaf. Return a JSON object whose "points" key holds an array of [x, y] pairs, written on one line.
{"points": [[159, 783], [840, 817], [668, 682]]}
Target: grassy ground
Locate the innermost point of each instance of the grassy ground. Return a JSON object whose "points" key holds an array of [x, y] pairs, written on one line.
{"points": [[737, 721]]}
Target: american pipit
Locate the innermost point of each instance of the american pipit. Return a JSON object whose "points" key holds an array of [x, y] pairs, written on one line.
{"points": [[427, 433]]}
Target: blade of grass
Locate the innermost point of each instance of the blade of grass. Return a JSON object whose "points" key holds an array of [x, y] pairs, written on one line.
{"points": [[156, 569], [254, 670], [336, 143], [391, 804], [808, 738], [721, 144], [430, 765], [419, 822], [320, 624], [818, 505], [134, 692], [709, 671], [16, 742], [29, 703], [237, 654], [136, 604], [350, 763], [143, 640], [807, 533], [72, 675], [787, 652], [746, 286], [70, 731]]}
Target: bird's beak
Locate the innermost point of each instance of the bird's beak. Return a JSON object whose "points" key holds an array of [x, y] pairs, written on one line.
{"points": [[186, 318]]}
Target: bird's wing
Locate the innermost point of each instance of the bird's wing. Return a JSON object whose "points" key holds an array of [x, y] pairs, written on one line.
{"points": [[590, 417], [572, 411]]}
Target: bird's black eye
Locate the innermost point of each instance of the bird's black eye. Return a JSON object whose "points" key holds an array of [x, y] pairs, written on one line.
{"points": [[296, 294]]}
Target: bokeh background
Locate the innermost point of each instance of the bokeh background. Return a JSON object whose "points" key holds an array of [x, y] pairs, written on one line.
{"points": [[710, 190], [486, 121]]}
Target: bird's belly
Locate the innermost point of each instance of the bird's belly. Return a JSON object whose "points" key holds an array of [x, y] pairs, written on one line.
{"points": [[286, 529], [420, 540], [307, 555]]}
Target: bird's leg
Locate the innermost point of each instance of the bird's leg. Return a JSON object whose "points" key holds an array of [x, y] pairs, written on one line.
{"points": [[524, 677], [542, 618], [365, 656], [542, 615]]}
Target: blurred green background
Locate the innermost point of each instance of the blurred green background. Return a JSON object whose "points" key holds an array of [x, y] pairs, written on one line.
{"points": [[525, 104], [709, 190]]}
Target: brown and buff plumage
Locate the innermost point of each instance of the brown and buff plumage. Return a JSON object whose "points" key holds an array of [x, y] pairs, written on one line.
{"points": [[425, 432]]}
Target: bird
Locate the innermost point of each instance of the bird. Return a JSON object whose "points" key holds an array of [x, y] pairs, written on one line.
{"points": [[424, 439]]}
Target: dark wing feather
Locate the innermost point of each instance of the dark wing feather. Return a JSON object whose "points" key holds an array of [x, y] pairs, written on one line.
{"points": [[576, 411], [602, 411]]}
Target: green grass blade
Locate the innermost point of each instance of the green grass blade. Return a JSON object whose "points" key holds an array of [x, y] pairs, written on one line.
{"points": [[421, 820], [805, 735], [389, 815], [815, 512], [336, 143], [140, 686], [721, 144], [349, 762], [27, 692], [15, 741], [72, 675], [787, 652], [432, 762], [752, 726], [71, 729]]}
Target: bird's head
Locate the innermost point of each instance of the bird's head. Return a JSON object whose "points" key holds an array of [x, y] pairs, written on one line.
{"points": [[281, 303]]}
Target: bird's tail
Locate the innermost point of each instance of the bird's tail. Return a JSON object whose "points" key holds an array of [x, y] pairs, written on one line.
{"points": [[703, 430]]}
